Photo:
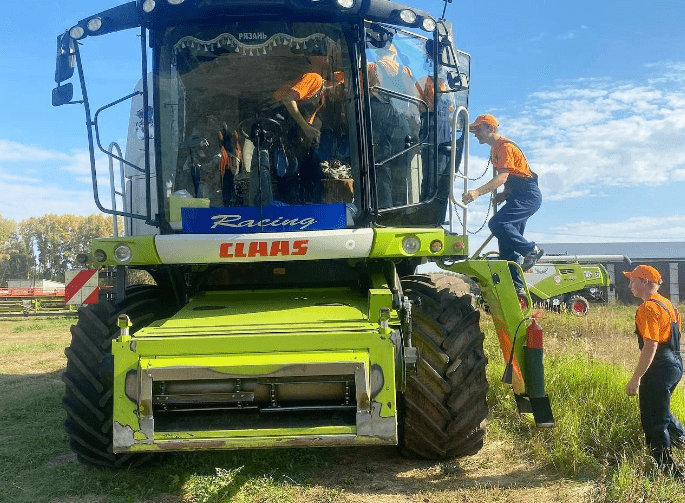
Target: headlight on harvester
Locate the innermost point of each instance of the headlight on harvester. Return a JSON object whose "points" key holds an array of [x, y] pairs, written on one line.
{"points": [[94, 24], [408, 16], [76, 32], [346, 4], [148, 6], [122, 253], [428, 24], [99, 255], [436, 246], [411, 244]]}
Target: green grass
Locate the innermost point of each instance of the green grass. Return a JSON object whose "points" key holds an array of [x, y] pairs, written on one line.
{"points": [[56, 323], [597, 438], [15, 349], [598, 434]]}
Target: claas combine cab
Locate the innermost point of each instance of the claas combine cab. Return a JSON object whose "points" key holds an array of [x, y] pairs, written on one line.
{"points": [[289, 165]]}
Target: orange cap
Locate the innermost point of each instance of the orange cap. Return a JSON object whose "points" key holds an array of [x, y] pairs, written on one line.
{"points": [[644, 272], [484, 119]]}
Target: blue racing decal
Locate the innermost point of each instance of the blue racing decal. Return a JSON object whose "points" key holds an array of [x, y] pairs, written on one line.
{"points": [[270, 219]]}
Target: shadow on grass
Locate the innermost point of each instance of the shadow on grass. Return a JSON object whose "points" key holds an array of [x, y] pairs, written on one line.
{"points": [[38, 465]]}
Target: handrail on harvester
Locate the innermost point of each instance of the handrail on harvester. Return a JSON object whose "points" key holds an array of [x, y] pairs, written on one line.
{"points": [[453, 166], [112, 187]]}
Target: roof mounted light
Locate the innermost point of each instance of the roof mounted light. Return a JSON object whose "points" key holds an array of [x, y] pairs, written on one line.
{"points": [[76, 32], [408, 16], [345, 4], [94, 24], [148, 6], [428, 24], [175, 2]]}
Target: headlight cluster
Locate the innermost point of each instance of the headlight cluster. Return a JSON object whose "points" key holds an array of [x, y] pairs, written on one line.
{"points": [[412, 245], [411, 18], [122, 254]]}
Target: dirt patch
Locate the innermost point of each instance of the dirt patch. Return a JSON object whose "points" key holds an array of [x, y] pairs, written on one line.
{"points": [[497, 473], [60, 460]]}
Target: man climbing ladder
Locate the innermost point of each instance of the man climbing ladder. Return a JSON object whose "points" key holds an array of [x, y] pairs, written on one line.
{"points": [[521, 193]]}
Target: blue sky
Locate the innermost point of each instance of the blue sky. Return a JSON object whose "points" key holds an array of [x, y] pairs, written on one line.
{"points": [[593, 91]]}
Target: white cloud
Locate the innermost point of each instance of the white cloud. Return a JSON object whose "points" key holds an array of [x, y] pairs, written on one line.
{"points": [[13, 151], [597, 133], [69, 190], [644, 228], [25, 198]]}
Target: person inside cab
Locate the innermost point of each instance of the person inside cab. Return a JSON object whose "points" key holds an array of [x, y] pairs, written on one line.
{"points": [[395, 125], [303, 100]]}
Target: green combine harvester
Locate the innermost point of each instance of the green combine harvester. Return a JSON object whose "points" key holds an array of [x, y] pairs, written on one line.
{"points": [[286, 309], [571, 286]]}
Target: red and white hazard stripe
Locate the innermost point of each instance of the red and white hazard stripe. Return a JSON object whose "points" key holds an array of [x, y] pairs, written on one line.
{"points": [[81, 287]]}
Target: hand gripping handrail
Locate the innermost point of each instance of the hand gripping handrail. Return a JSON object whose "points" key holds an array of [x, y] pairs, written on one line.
{"points": [[453, 165]]}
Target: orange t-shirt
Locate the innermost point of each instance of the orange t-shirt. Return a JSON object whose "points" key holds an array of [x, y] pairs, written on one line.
{"points": [[305, 87], [392, 68], [652, 321], [507, 158]]}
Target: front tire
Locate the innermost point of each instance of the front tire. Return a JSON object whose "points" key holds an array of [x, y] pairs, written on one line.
{"points": [[444, 405], [88, 397]]}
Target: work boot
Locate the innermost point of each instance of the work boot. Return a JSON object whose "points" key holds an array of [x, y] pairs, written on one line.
{"points": [[666, 464], [677, 435], [673, 470], [531, 258]]}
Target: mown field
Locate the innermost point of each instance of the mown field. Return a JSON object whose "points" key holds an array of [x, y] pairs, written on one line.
{"points": [[594, 454]]}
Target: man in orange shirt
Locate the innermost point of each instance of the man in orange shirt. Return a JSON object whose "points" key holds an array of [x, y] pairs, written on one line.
{"points": [[395, 121], [521, 193], [659, 368], [303, 99]]}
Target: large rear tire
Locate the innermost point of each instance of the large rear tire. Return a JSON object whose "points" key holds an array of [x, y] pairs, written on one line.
{"points": [[87, 378], [444, 406]]}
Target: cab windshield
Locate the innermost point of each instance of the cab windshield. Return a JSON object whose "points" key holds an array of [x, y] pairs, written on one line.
{"points": [[257, 128]]}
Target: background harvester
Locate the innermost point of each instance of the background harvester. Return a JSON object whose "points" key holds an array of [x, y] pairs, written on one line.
{"points": [[570, 282]]}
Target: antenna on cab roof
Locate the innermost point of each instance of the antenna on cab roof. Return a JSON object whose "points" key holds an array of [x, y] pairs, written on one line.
{"points": [[445, 8]]}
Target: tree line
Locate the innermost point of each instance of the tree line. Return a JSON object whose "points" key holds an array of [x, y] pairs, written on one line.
{"points": [[47, 246]]}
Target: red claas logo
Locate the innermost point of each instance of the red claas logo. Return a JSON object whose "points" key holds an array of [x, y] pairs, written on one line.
{"points": [[263, 249]]}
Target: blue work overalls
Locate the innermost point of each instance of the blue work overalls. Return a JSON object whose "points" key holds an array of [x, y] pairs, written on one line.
{"points": [[656, 387], [524, 198]]}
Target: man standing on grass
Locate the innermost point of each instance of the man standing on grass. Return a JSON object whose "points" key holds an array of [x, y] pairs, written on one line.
{"points": [[521, 195], [659, 369]]}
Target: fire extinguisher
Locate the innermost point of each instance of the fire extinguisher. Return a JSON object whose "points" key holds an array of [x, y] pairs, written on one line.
{"points": [[535, 366]]}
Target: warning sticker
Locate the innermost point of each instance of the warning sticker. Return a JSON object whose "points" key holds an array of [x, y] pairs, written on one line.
{"points": [[81, 287]]}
